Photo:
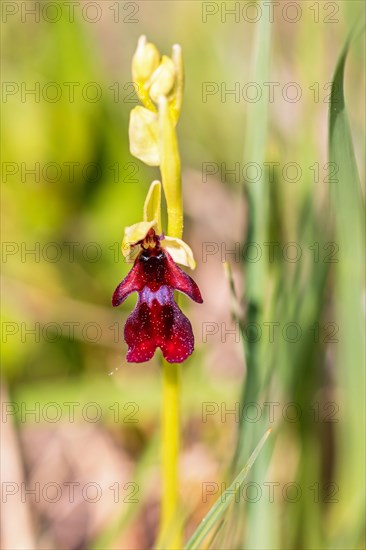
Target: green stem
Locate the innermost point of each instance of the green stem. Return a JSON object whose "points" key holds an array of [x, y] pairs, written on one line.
{"points": [[170, 170], [170, 531], [170, 528]]}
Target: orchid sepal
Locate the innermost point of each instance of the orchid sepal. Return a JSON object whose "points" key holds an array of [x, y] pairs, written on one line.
{"points": [[180, 251], [152, 205]]}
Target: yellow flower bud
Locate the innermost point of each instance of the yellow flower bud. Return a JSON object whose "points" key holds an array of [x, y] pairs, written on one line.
{"points": [[145, 61], [163, 79]]}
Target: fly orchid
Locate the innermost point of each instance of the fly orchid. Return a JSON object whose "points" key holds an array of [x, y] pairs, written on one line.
{"points": [[157, 320]]}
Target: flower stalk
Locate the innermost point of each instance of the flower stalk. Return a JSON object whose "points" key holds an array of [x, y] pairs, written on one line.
{"points": [[170, 168], [170, 530]]}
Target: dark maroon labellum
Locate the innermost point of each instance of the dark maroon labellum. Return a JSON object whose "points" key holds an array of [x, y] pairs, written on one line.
{"points": [[157, 320]]}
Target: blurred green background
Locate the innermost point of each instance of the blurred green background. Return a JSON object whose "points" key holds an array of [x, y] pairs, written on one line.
{"points": [[74, 412]]}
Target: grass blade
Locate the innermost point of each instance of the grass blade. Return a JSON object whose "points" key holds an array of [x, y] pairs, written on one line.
{"points": [[257, 196], [219, 508], [348, 210]]}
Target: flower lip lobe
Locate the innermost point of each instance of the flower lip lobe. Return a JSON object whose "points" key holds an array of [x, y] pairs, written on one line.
{"points": [[156, 325]]}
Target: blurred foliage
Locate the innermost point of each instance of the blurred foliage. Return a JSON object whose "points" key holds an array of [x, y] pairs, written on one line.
{"points": [[84, 213]]}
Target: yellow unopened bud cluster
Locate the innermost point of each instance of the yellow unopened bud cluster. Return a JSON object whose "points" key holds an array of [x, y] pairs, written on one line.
{"points": [[157, 76]]}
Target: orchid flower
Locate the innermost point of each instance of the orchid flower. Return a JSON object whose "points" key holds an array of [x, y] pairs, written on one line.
{"points": [[156, 321]]}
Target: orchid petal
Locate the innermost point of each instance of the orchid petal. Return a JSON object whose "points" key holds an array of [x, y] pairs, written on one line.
{"points": [[134, 234], [180, 251]]}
